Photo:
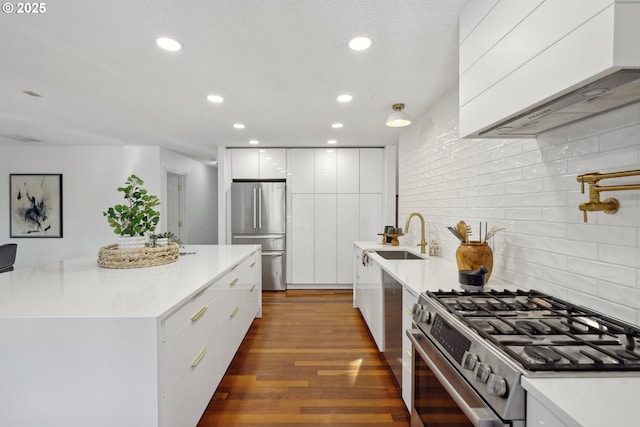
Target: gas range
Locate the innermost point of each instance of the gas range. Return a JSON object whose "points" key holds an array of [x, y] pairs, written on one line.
{"points": [[493, 338]]}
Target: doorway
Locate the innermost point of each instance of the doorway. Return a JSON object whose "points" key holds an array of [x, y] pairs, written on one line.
{"points": [[175, 204]]}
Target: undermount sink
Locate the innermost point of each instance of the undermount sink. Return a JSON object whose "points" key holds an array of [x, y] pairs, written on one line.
{"points": [[398, 255]]}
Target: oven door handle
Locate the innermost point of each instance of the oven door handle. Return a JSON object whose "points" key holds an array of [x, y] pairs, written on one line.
{"points": [[478, 412]]}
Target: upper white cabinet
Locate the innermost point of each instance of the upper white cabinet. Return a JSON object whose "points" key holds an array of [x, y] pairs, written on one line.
{"points": [[371, 171], [348, 170], [263, 163], [325, 170], [518, 55], [301, 167]]}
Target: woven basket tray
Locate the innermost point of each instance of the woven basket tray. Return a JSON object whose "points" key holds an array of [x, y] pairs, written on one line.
{"points": [[111, 257]]}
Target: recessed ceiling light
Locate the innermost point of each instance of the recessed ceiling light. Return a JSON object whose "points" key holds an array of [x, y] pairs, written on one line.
{"points": [[332, 141], [239, 126], [215, 98], [254, 142], [344, 98], [360, 43], [168, 44], [337, 125]]}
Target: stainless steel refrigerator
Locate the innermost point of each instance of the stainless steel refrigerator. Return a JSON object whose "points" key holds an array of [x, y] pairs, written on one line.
{"points": [[258, 217]]}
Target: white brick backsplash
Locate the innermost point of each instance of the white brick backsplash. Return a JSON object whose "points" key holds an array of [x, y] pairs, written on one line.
{"points": [[573, 248], [593, 233], [571, 280], [614, 273], [619, 255], [529, 186]]}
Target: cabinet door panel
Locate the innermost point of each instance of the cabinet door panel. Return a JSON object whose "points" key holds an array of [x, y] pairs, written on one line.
{"points": [[301, 167], [273, 163], [302, 238], [325, 170], [348, 231], [245, 164], [348, 170], [325, 238], [371, 168], [370, 216]]}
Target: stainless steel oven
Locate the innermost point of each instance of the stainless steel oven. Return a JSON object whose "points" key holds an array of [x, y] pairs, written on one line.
{"points": [[471, 349], [440, 395]]}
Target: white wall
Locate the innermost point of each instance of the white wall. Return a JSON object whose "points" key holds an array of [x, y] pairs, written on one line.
{"points": [[90, 178], [529, 186]]}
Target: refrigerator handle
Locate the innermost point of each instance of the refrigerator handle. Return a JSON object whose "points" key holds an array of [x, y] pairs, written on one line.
{"points": [[260, 208], [255, 202]]}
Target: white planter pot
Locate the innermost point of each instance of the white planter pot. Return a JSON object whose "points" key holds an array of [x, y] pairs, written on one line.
{"points": [[162, 241], [129, 242]]}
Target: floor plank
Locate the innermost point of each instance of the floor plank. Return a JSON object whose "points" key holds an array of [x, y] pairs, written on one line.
{"points": [[309, 361]]}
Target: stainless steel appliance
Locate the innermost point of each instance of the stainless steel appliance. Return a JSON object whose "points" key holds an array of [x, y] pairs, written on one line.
{"points": [[258, 217], [470, 350]]}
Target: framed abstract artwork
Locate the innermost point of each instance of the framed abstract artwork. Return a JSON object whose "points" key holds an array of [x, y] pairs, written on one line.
{"points": [[35, 205]]}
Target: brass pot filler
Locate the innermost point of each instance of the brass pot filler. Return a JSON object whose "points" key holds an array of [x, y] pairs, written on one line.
{"points": [[609, 205]]}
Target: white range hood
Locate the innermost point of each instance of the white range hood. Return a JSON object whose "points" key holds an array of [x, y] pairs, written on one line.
{"points": [[528, 67]]}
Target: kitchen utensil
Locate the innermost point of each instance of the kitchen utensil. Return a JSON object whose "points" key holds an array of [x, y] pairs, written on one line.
{"points": [[455, 233], [463, 230]]}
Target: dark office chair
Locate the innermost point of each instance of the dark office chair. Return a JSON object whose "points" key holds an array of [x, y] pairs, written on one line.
{"points": [[7, 256]]}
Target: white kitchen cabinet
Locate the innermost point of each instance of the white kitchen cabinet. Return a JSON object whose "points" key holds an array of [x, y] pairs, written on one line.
{"points": [[325, 180], [371, 170], [139, 347], [348, 170], [273, 163], [408, 299], [347, 231], [369, 296], [324, 244], [254, 163], [370, 216], [198, 355], [301, 170], [539, 415], [328, 213], [302, 232]]}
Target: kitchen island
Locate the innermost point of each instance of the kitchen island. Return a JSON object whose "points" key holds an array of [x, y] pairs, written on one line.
{"points": [[574, 400], [83, 345]]}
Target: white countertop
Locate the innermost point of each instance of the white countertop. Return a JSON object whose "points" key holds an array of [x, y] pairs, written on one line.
{"points": [[588, 402], [578, 402], [430, 274], [80, 288]]}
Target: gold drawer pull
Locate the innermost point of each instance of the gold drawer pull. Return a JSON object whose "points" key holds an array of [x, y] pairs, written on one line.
{"points": [[234, 312], [233, 282], [252, 288], [252, 264], [410, 312], [199, 358], [409, 354], [198, 314]]}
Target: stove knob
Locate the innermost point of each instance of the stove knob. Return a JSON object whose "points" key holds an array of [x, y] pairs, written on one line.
{"points": [[417, 308], [424, 316], [496, 385], [469, 360], [482, 372]]}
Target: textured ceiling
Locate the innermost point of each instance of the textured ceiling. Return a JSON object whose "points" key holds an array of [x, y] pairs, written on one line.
{"points": [[278, 63]]}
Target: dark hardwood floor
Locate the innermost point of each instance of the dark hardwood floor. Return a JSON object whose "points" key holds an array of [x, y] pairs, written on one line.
{"points": [[308, 361]]}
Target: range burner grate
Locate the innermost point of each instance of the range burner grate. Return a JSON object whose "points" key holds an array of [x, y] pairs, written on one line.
{"points": [[544, 333]]}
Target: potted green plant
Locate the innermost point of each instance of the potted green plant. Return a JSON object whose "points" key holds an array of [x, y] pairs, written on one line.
{"points": [[136, 216]]}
